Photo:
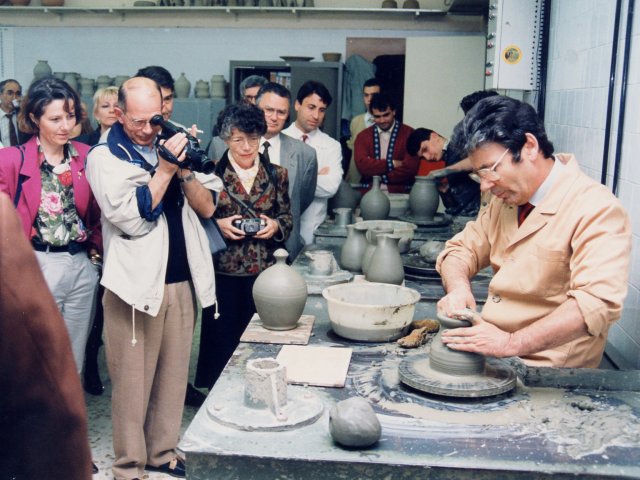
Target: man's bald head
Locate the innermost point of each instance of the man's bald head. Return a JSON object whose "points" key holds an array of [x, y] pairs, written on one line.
{"points": [[138, 88]]}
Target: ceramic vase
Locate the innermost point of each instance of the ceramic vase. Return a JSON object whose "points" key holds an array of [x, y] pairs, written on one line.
{"points": [[202, 89], [389, 4], [386, 263], [20, 3], [71, 80], [103, 81], [87, 87], [424, 199], [453, 362], [182, 86], [119, 80], [411, 4], [353, 248], [52, 3], [375, 204], [41, 70], [218, 86], [280, 294], [372, 243], [345, 197]]}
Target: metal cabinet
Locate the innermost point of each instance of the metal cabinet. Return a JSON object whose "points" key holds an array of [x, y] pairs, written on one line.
{"points": [[293, 74]]}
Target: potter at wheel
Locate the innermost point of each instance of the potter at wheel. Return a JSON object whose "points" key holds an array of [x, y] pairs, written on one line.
{"points": [[454, 373]]}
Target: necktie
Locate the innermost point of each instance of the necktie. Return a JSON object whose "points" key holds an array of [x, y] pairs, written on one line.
{"points": [[524, 211], [305, 137], [13, 135], [265, 152]]}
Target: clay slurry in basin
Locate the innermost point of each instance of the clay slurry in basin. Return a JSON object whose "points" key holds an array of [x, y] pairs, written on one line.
{"points": [[370, 312]]}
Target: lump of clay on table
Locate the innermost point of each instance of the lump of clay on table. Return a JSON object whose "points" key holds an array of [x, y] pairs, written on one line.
{"points": [[353, 423]]}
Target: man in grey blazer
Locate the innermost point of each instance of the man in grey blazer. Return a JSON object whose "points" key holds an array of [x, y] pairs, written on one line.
{"points": [[299, 159]]}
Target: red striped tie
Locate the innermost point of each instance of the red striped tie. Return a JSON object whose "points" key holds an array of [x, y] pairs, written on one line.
{"points": [[524, 211], [304, 138]]}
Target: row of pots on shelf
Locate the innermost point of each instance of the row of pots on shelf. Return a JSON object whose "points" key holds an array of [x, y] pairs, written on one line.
{"points": [[44, 3]]}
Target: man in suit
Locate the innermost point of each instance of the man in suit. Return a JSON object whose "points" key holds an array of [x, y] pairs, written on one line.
{"points": [[43, 426], [10, 97], [299, 159]]}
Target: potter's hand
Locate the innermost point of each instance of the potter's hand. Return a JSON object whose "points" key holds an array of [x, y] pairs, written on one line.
{"points": [[481, 337], [456, 299], [269, 230], [439, 173], [228, 230]]}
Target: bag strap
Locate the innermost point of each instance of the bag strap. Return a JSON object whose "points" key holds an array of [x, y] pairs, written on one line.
{"points": [[16, 198]]}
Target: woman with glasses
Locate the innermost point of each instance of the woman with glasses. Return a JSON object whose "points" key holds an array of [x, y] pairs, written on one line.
{"points": [[254, 214]]}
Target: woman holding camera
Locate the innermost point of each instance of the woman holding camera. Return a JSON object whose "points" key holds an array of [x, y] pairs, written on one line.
{"points": [[254, 215]]}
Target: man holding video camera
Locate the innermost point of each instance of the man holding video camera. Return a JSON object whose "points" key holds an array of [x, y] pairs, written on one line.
{"points": [[156, 257]]}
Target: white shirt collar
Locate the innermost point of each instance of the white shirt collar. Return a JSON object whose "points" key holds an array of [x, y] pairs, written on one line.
{"points": [[542, 190], [387, 132]]}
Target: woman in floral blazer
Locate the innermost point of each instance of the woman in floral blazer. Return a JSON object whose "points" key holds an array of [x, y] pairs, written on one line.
{"points": [[254, 213], [46, 179]]}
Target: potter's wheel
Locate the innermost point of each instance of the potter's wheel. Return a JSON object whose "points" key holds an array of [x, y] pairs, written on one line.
{"points": [[439, 220], [228, 408], [497, 378]]}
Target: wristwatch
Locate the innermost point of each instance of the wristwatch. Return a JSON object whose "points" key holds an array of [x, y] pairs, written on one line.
{"points": [[188, 178]]}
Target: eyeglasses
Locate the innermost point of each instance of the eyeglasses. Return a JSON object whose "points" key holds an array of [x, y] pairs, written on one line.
{"points": [[488, 173], [252, 141], [138, 124]]}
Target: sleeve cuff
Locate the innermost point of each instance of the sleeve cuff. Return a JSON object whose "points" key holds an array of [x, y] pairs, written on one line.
{"points": [[143, 195], [596, 315]]}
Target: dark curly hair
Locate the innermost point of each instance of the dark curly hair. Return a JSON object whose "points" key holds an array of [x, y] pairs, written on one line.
{"points": [[246, 118], [501, 120], [41, 93]]}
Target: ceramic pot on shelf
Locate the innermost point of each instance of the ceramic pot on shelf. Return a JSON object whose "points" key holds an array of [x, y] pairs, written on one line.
{"points": [[218, 86], [386, 263], [20, 3], [424, 198], [280, 294], [182, 86], [353, 248], [103, 81], [87, 86], [372, 243], [71, 79], [375, 204], [41, 70], [389, 4], [202, 89], [411, 4], [52, 3]]}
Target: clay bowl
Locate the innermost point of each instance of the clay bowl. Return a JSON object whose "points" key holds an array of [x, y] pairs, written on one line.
{"points": [[370, 312], [331, 56], [399, 204], [404, 230]]}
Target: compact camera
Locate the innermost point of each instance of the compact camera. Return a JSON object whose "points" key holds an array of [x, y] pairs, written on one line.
{"points": [[195, 157], [250, 226]]}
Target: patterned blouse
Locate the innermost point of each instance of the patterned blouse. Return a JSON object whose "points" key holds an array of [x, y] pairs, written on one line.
{"points": [[57, 222], [251, 256]]}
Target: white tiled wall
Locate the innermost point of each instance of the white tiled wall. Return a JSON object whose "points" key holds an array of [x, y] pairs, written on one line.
{"points": [[581, 43]]}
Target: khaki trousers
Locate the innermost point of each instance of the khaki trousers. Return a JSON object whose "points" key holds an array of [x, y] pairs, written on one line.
{"points": [[149, 379]]}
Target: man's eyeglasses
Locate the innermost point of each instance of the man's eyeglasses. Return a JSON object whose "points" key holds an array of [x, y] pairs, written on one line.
{"points": [[252, 141], [279, 113], [490, 173], [138, 124]]}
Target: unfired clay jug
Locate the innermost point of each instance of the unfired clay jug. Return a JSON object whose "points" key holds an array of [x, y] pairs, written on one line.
{"points": [[182, 86], [218, 86], [353, 248], [386, 263], [345, 197], [343, 216], [280, 294], [375, 205], [372, 243], [424, 199], [71, 79], [41, 70], [202, 89]]}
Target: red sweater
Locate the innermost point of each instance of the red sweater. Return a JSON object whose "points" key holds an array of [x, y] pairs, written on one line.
{"points": [[400, 178]]}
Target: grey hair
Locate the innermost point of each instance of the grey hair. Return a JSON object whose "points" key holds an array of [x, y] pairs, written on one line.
{"points": [[252, 81], [244, 117]]}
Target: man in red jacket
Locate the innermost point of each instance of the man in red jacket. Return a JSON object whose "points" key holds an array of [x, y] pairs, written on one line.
{"points": [[382, 149]]}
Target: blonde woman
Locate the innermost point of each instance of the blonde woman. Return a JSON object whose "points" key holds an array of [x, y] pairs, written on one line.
{"points": [[105, 101]]}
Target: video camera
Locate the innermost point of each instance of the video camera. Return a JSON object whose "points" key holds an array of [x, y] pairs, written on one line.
{"points": [[195, 157]]}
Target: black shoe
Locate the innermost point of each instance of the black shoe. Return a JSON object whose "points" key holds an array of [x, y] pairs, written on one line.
{"points": [[91, 382], [175, 468], [194, 397], [94, 468]]}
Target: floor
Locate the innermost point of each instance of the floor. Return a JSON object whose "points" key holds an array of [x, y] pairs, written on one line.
{"points": [[99, 411]]}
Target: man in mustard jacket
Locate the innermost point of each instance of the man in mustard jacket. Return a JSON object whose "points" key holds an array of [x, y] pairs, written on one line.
{"points": [[558, 242]]}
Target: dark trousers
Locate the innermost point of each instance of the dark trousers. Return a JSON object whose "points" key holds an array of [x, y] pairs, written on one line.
{"points": [[220, 337]]}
